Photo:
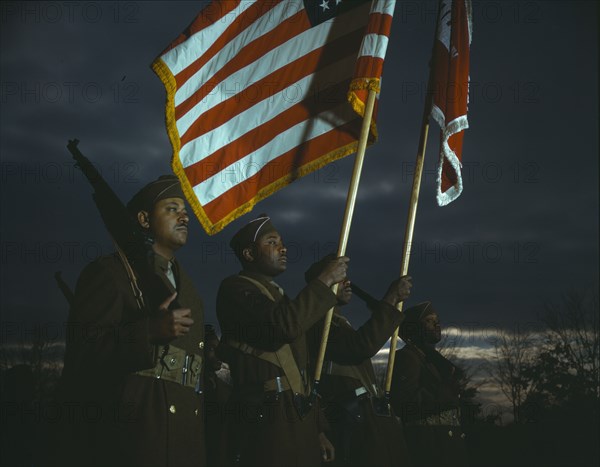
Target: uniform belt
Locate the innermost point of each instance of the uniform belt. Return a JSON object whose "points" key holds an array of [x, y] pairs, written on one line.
{"points": [[178, 366], [446, 418], [270, 391]]}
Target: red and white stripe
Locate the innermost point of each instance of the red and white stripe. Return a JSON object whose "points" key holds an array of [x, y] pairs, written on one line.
{"points": [[450, 85], [257, 97]]}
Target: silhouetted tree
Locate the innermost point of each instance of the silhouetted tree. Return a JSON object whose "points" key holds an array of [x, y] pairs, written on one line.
{"points": [[566, 371], [515, 354]]}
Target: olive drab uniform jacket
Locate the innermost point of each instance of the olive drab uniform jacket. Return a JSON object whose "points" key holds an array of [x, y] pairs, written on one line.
{"points": [[361, 430], [264, 342], [135, 403], [216, 396]]}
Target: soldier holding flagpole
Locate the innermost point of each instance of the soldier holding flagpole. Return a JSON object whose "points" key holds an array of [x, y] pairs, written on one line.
{"points": [[363, 428], [264, 343]]}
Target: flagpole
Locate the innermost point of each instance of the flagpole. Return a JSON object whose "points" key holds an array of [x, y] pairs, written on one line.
{"points": [[408, 233], [412, 209], [345, 232]]}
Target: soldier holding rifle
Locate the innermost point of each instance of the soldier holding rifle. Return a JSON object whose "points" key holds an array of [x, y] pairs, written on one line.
{"points": [[134, 359]]}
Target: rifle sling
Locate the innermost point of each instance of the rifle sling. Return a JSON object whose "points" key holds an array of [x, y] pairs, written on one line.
{"points": [[137, 292], [359, 372]]}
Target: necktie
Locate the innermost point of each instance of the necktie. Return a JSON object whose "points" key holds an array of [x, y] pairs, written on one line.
{"points": [[170, 275], [278, 288]]}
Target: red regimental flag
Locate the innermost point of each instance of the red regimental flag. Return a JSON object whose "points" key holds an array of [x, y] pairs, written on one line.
{"points": [[260, 93], [450, 87]]}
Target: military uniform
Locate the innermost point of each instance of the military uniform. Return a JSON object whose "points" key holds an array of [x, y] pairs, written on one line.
{"points": [[257, 319], [216, 396], [132, 403], [425, 393], [350, 393]]}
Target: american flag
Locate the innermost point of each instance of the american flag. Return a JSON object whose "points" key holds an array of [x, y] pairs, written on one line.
{"points": [[260, 93], [450, 86]]}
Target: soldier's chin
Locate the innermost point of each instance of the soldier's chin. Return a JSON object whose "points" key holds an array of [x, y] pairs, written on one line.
{"points": [[433, 338], [275, 269]]}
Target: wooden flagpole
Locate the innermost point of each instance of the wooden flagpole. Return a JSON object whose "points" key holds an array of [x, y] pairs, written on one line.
{"points": [[345, 232], [408, 233], [414, 201], [412, 209]]}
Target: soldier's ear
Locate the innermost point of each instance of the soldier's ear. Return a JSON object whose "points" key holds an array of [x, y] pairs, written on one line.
{"points": [[144, 219], [248, 254]]}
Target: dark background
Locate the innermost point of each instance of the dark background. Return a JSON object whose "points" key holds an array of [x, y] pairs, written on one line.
{"points": [[524, 230]]}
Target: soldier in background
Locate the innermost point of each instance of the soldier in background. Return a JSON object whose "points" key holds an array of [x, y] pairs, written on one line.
{"points": [[362, 431], [425, 392], [264, 335], [131, 378]]}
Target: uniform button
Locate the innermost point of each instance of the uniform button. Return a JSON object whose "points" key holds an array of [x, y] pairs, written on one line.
{"points": [[450, 434], [196, 412], [173, 361], [200, 345], [463, 436], [172, 409], [157, 375]]}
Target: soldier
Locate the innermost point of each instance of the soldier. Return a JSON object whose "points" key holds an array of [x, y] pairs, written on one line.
{"points": [[425, 392], [264, 335], [132, 377], [362, 429]]}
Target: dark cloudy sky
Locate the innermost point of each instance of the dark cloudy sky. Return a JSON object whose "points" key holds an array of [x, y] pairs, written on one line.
{"points": [[524, 230]]}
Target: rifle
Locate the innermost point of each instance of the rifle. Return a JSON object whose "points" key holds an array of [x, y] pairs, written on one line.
{"points": [[125, 232], [371, 302], [132, 242]]}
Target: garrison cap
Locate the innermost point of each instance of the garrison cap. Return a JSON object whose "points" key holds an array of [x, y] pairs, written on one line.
{"points": [[411, 326], [166, 186], [251, 232]]}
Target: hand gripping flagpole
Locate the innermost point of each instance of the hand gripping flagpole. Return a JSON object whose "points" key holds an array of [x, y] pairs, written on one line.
{"points": [[345, 232]]}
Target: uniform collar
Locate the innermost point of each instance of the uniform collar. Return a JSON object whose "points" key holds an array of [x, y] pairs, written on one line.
{"points": [[264, 279]]}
